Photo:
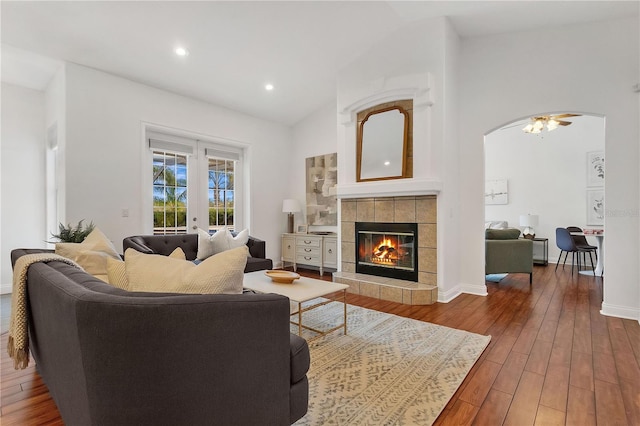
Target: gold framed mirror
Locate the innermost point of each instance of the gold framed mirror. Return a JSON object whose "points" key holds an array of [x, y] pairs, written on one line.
{"points": [[384, 148]]}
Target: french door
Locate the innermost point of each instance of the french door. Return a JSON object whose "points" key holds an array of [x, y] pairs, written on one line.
{"points": [[195, 185]]}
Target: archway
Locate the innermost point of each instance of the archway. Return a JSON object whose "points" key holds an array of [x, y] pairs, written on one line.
{"points": [[548, 174]]}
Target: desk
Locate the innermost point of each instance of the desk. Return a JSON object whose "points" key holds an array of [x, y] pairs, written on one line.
{"points": [[600, 244]]}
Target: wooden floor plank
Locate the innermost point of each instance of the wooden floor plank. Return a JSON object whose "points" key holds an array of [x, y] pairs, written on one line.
{"points": [[581, 407], [494, 409], [524, 406], [609, 404], [549, 417], [556, 388]]}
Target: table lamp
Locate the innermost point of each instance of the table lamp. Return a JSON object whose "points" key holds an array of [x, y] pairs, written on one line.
{"points": [[529, 221], [290, 207]]}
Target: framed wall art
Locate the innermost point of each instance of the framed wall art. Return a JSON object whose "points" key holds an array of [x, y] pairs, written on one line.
{"points": [[595, 207], [322, 178], [496, 191], [595, 169]]}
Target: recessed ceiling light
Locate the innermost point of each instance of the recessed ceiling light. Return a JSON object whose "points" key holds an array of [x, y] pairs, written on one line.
{"points": [[268, 86], [386, 163], [181, 51]]}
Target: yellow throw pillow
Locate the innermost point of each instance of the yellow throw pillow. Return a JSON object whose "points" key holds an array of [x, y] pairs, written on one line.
{"points": [[221, 273], [91, 254], [117, 272]]}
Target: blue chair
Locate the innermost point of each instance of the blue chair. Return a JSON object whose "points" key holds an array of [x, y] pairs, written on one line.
{"points": [[566, 243], [583, 244]]}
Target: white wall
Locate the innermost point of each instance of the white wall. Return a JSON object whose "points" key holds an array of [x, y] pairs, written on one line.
{"points": [[104, 149], [23, 152], [589, 68], [314, 135], [546, 173]]}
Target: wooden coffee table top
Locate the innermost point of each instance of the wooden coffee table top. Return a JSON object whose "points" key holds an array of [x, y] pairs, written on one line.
{"points": [[300, 290]]}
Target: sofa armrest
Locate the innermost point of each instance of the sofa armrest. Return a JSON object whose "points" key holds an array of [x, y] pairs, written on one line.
{"points": [[137, 243], [257, 248]]}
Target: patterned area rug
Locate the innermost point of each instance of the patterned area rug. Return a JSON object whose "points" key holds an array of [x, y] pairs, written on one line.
{"points": [[387, 370]]}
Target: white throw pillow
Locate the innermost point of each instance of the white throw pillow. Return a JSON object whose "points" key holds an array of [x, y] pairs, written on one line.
{"points": [[221, 273], [91, 254], [220, 241], [117, 271], [239, 240], [208, 245]]}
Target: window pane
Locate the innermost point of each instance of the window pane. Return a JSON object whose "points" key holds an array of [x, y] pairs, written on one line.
{"points": [[221, 193], [169, 193]]}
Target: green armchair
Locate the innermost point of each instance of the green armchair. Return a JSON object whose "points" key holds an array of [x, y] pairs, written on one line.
{"points": [[506, 253]]}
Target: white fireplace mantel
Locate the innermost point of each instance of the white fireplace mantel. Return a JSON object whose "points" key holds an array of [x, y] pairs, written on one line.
{"points": [[389, 188]]}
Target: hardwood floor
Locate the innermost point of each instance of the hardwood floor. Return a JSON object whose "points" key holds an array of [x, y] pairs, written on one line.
{"points": [[553, 359]]}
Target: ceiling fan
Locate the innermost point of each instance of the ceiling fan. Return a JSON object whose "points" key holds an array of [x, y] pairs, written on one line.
{"points": [[551, 122]]}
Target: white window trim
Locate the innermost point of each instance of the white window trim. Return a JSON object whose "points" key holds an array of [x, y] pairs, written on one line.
{"points": [[183, 137]]}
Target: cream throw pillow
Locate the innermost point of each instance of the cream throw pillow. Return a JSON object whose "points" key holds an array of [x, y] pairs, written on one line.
{"points": [[117, 271], [91, 254], [220, 241], [221, 273]]}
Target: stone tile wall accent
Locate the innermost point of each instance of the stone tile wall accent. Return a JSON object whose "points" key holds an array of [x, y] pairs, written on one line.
{"points": [[419, 209]]}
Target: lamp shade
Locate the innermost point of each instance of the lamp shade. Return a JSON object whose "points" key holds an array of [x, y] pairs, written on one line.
{"points": [[529, 220], [290, 206]]}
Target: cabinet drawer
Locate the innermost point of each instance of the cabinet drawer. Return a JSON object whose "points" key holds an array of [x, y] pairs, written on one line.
{"points": [[308, 251], [308, 242], [303, 259]]}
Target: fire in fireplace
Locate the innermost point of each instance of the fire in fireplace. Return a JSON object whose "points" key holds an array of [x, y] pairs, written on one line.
{"points": [[387, 249]]}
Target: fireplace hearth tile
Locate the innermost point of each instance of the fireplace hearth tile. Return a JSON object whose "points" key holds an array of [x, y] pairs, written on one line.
{"points": [[370, 290], [400, 291]]}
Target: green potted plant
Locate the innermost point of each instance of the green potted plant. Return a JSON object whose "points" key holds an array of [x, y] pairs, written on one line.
{"points": [[73, 234]]}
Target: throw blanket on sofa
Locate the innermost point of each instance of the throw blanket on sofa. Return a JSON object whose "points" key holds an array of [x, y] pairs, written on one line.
{"points": [[18, 345]]}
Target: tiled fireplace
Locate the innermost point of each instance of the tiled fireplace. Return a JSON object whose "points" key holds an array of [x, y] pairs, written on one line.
{"points": [[398, 260]]}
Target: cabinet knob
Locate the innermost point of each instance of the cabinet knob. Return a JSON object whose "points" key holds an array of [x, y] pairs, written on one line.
{"points": [[330, 251]]}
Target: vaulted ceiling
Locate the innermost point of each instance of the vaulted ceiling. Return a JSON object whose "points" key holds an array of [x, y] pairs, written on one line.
{"points": [[235, 48]]}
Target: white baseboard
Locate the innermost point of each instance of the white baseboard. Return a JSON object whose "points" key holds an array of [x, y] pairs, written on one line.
{"points": [[477, 289], [446, 297], [620, 311], [6, 288]]}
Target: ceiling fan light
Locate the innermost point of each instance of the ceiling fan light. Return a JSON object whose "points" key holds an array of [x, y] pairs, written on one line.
{"points": [[552, 125], [538, 126], [528, 128]]}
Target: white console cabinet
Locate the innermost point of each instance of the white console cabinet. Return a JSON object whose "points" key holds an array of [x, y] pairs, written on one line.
{"points": [[320, 251]]}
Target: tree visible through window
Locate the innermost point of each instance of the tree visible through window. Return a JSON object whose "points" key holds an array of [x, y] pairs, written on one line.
{"points": [[169, 193], [221, 193]]}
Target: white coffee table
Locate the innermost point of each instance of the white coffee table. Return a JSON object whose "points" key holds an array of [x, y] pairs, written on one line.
{"points": [[301, 290]]}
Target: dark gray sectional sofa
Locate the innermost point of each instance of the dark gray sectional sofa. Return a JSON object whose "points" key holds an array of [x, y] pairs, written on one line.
{"points": [[112, 357], [165, 244]]}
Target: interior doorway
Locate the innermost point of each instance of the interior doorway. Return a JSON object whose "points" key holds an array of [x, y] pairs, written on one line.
{"points": [[554, 175]]}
